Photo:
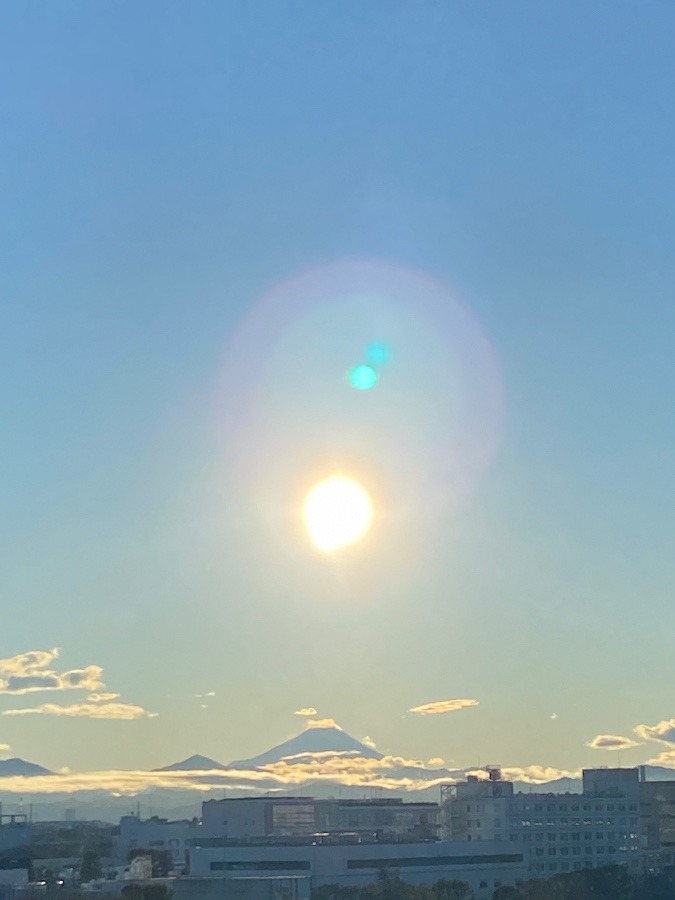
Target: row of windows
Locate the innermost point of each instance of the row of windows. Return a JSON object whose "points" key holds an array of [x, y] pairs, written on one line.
{"points": [[295, 865], [561, 837], [564, 820], [560, 823], [261, 865], [564, 808], [588, 851]]}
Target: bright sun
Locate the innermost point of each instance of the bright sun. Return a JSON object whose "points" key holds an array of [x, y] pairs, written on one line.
{"points": [[337, 512]]}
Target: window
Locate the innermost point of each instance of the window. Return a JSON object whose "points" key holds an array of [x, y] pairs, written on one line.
{"points": [[551, 851], [262, 865], [551, 837]]}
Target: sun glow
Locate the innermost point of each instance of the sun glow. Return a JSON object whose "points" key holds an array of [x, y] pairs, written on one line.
{"points": [[337, 512]]}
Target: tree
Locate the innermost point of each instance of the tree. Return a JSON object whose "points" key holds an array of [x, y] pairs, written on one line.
{"points": [[452, 889], [91, 866], [507, 892], [132, 892]]}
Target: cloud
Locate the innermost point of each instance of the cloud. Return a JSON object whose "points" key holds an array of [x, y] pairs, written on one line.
{"points": [[553, 717], [5, 750], [393, 773], [612, 742], [436, 762], [663, 731], [323, 723], [207, 694], [666, 758], [442, 706], [91, 710], [369, 742], [305, 711], [536, 774], [102, 698], [328, 767], [33, 671]]}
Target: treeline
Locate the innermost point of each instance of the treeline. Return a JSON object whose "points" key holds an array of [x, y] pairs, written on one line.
{"points": [[611, 883]]}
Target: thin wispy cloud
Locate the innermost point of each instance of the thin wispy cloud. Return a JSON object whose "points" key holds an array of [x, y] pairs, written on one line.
{"points": [[308, 711], [536, 774], [612, 742], [33, 671], [89, 710], [442, 706], [663, 731], [323, 723], [667, 759], [369, 742]]}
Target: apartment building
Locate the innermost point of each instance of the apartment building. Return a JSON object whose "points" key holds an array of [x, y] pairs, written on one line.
{"points": [[555, 832]]}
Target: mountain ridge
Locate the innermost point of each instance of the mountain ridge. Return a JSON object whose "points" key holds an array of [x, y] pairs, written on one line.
{"points": [[17, 766], [310, 741]]}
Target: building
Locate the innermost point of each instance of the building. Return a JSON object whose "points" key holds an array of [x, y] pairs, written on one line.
{"points": [[555, 832], [247, 817], [657, 822], [349, 860], [390, 817], [15, 831], [155, 834]]}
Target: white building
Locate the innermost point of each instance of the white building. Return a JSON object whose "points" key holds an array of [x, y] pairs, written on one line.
{"points": [[350, 861], [155, 834], [555, 832]]}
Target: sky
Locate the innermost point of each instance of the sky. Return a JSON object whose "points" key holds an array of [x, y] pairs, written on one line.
{"points": [[210, 211]]}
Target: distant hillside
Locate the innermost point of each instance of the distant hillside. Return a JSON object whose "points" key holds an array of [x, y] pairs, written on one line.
{"points": [[192, 764], [312, 740], [16, 766]]}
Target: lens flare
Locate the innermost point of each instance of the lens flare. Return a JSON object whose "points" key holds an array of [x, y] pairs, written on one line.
{"points": [[337, 512], [363, 378]]}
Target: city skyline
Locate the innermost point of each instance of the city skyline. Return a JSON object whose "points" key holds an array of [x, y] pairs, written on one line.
{"points": [[248, 250]]}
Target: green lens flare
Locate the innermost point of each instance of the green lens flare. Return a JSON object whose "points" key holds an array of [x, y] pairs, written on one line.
{"points": [[363, 378]]}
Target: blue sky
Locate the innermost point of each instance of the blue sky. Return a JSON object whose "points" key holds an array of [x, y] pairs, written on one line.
{"points": [[166, 165]]}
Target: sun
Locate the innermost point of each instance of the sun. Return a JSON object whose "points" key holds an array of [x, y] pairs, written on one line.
{"points": [[337, 512]]}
